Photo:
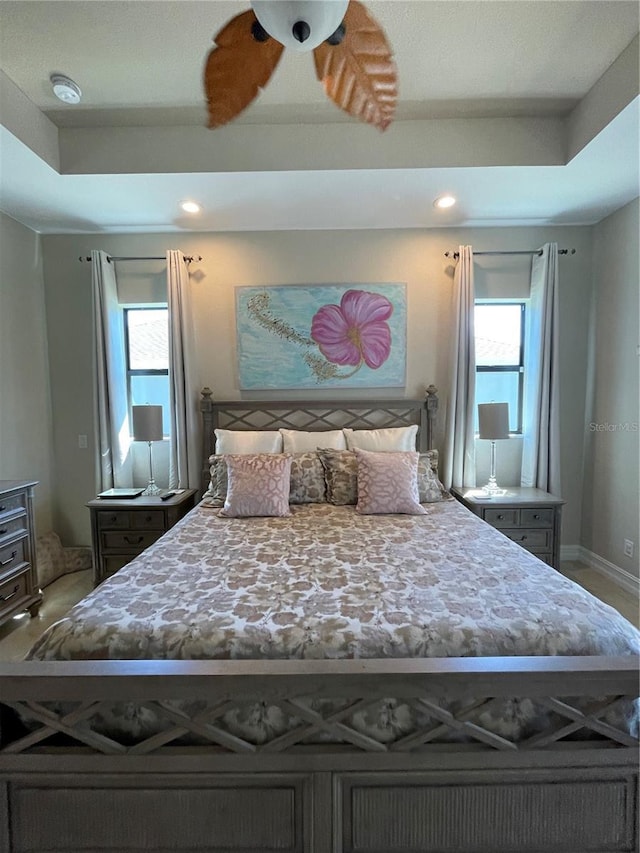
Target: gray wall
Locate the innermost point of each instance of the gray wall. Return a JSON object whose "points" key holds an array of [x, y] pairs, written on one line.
{"points": [[412, 256], [25, 422], [611, 511]]}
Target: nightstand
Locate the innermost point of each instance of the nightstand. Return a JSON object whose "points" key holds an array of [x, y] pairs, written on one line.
{"points": [[122, 529], [530, 517]]}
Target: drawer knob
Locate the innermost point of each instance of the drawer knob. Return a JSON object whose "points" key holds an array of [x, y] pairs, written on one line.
{"points": [[137, 541], [523, 538], [500, 517], [10, 560], [536, 516], [3, 531], [11, 594], [2, 508], [113, 519]]}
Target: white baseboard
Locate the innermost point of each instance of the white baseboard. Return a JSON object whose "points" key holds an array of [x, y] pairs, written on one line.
{"points": [[619, 576]]}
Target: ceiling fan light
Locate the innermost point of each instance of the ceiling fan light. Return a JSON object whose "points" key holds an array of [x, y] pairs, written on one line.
{"points": [[444, 201], [65, 89], [288, 20]]}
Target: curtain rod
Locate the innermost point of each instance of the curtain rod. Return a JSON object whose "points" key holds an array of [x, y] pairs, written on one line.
{"points": [[188, 258], [456, 255]]}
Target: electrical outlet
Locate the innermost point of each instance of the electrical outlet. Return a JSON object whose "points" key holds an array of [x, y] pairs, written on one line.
{"points": [[628, 548], [82, 442]]}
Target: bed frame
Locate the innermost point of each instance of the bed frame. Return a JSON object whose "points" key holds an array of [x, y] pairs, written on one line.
{"points": [[67, 788]]}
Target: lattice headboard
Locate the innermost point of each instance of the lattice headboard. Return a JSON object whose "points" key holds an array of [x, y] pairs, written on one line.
{"points": [[316, 415]]}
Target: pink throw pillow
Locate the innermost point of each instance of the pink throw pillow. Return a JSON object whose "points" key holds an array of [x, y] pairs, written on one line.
{"points": [[388, 482], [258, 484]]}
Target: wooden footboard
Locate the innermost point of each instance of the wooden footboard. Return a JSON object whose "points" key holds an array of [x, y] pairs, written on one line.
{"points": [[66, 787]]}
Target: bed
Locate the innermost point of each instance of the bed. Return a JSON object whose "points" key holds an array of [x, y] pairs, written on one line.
{"points": [[325, 681]]}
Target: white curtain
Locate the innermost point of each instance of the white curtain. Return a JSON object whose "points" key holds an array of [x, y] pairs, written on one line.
{"points": [[459, 467], [111, 417], [541, 409], [185, 466]]}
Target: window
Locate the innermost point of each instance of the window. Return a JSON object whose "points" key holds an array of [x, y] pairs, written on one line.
{"points": [[499, 330], [147, 346]]}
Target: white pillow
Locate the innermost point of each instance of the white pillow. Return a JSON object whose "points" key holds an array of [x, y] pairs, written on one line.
{"points": [[300, 441], [393, 438], [248, 441]]}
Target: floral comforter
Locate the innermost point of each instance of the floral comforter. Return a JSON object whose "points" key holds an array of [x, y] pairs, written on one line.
{"points": [[327, 582]]}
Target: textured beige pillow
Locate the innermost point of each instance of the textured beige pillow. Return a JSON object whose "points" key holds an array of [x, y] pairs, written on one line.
{"points": [[307, 483], [388, 483], [300, 441], [392, 438], [258, 484]]}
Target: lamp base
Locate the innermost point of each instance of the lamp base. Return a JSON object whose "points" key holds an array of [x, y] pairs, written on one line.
{"points": [[152, 489], [492, 489]]}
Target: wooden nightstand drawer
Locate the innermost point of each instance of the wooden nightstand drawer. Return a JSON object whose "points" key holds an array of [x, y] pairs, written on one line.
{"points": [[13, 589], [113, 564], [113, 520], [132, 541], [151, 520], [531, 539], [11, 556], [502, 517], [535, 517]]}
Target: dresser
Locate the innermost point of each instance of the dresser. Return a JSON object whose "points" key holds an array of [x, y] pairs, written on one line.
{"points": [[530, 517], [19, 589], [122, 529]]}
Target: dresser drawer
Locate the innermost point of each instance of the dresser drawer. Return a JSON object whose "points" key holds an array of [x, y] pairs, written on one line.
{"points": [[12, 529], [533, 517], [132, 541], [9, 504], [531, 539], [13, 590], [11, 556], [502, 517]]}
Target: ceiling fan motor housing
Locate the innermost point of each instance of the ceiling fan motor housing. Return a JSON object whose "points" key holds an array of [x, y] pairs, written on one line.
{"points": [[300, 25]]}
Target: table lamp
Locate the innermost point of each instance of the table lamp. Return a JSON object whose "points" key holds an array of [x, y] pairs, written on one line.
{"points": [[147, 426], [493, 419]]}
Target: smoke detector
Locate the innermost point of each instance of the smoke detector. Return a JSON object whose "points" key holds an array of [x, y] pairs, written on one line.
{"points": [[65, 89]]}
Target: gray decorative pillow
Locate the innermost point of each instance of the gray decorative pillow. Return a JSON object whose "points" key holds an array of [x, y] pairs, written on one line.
{"points": [[307, 479], [430, 489], [217, 491], [341, 475]]}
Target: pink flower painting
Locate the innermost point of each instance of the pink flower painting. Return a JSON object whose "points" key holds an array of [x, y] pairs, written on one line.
{"points": [[356, 331], [305, 336]]}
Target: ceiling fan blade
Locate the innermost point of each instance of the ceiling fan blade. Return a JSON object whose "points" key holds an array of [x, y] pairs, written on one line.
{"points": [[238, 67], [359, 73]]}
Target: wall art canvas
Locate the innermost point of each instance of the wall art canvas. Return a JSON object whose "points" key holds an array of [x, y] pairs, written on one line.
{"points": [[321, 336]]}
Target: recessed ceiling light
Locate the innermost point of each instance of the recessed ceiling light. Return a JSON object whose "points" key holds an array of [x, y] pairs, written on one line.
{"points": [[444, 201], [190, 207], [65, 89]]}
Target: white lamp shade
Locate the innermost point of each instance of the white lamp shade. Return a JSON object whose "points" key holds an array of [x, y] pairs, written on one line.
{"points": [[493, 419], [147, 423], [278, 17]]}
